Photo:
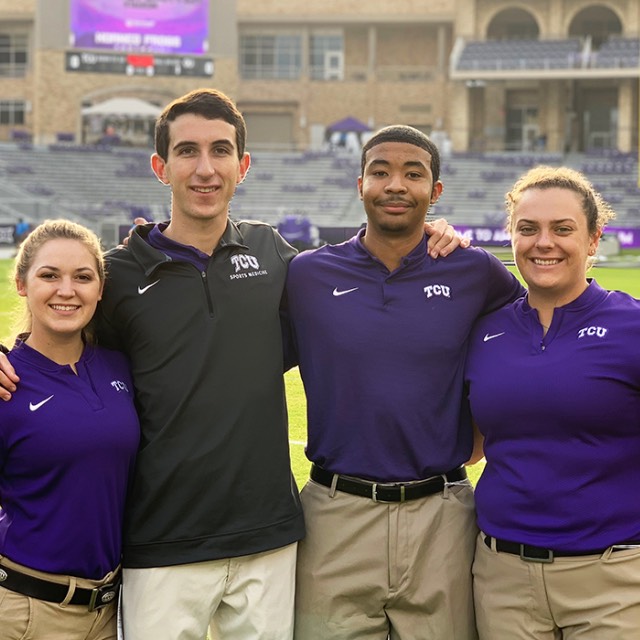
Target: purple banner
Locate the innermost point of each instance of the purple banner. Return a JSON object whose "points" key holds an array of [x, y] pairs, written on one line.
{"points": [[150, 26], [629, 237]]}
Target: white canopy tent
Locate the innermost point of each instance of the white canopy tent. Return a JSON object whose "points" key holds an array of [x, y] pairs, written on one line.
{"points": [[119, 120], [124, 108]]}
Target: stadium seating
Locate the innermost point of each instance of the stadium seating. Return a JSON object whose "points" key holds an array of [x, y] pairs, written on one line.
{"points": [[618, 53], [319, 184], [570, 53], [107, 184], [498, 55]]}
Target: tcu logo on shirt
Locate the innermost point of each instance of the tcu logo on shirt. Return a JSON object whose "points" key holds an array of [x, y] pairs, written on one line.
{"points": [[242, 261], [592, 331], [119, 386], [246, 266], [437, 290]]}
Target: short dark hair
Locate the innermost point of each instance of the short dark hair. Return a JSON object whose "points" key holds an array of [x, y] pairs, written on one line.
{"points": [[208, 103], [404, 133]]}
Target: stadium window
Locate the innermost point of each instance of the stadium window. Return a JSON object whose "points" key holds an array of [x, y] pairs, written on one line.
{"points": [[270, 57], [12, 112], [326, 57], [13, 54]]}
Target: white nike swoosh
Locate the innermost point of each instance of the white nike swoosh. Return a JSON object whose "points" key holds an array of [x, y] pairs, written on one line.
{"points": [[495, 335], [141, 290], [35, 407], [341, 293]]}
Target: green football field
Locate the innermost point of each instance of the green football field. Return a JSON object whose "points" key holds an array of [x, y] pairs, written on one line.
{"points": [[625, 279]]}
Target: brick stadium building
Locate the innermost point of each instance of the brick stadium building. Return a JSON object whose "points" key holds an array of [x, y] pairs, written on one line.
{"points": [[488, 75]]}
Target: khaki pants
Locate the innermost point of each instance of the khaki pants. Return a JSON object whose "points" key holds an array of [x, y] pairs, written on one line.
{"points": [[370, 570], [25, 618], [575, 598], [244, 598]]}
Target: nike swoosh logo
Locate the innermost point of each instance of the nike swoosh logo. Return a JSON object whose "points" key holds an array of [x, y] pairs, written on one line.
{"points": [[341, 293], [35, 407], [141, 290], [491, 337]]}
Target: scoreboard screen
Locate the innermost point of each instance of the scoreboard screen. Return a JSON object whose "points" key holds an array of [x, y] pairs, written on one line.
{"points": [[138, 64], [141, 26]]}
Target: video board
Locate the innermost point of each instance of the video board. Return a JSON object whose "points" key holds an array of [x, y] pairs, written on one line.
{"points": [[141, 26]]}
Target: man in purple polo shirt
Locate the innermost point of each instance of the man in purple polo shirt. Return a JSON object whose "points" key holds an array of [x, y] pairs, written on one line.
{"points": [[380, 329]]}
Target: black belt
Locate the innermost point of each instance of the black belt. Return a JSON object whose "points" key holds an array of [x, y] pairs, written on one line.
{"points": [[387, 491], [540, 554], [55, 592]]}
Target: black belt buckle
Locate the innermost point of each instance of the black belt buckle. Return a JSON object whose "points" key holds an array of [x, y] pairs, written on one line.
{"points": [[104, 595], [535, 554]]}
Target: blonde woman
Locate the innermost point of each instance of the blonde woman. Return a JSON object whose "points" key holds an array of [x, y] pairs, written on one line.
{"points": [[554, 386], [67, 444]]}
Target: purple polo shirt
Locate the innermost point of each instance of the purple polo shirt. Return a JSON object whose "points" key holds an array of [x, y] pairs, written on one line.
{"points": [[381, 355], [67, 449], [561, 420]]}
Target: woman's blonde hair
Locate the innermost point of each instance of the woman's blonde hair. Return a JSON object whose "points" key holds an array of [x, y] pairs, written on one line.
{"points": [[596, 210], [51, 230]]}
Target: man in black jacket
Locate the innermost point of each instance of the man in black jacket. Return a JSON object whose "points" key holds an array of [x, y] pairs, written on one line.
{"points": [[214, 515]]}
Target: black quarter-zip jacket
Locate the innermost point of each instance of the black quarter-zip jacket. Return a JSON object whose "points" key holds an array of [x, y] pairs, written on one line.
{"points": [[213, 475]]}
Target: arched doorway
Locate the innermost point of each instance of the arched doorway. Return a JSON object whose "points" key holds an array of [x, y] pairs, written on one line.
{"points": [[595, 103]]}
